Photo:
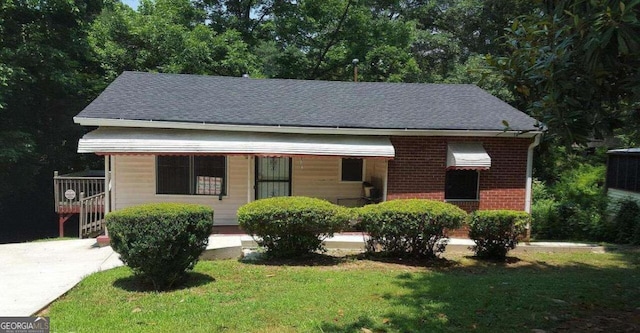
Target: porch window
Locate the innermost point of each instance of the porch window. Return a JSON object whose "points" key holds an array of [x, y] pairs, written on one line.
{"points": [[351, 170], [191, 175], [461, 185]]}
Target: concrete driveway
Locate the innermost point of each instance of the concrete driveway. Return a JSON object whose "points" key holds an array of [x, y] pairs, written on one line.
{"points": [[32, 275]]}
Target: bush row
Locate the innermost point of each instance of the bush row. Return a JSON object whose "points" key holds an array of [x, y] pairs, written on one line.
{"points": [[293, 226], [161, 242]]}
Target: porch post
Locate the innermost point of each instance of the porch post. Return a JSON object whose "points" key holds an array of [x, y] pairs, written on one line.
{"points": [[384, 181], [107, 192], [249, 159]]}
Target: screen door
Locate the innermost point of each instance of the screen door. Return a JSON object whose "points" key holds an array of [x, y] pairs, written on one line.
{"points": [[273, 177]]}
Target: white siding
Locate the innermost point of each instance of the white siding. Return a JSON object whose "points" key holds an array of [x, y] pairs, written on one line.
{"points": [[135, 183], [376, 173], [320, 178]]}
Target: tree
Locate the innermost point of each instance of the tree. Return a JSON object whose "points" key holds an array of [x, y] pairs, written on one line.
{"points": [[167, 36], [47, 77], [575, 66]]}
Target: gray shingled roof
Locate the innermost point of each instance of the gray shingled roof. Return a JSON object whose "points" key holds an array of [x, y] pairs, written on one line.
{"points": [[280, 102]]}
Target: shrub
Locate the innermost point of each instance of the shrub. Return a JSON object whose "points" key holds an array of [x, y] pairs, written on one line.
{"points": [[160, 242], [292, 226], [411, 227], [572, 208], [582, 203], [546, 222], [627, 222], [495, 232]]}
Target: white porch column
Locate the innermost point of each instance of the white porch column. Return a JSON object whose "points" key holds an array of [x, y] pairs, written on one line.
{"points": [[107, 190], [249, 160], [384, 181]]}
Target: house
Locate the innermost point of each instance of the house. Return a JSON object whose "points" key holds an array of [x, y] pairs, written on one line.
{"points": [[225, 141], [623, 176]]}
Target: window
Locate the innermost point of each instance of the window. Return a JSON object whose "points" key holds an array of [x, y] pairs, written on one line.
{"points": [[197, 175], [623, 172], [461, 185], [351, 170]]}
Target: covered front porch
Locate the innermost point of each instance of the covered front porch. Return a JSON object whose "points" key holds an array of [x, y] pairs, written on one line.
{"points": [[225, 170]]}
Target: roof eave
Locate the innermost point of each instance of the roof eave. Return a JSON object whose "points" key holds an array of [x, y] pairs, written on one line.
{"points": [[105, 122]]}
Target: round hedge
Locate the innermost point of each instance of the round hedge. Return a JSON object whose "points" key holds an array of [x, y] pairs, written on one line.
{"points": [[292, 226], [160, 241], [409, 227], [495, 232]]}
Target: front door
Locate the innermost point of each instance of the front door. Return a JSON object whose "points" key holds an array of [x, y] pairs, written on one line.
{"points": [[273, 177]]}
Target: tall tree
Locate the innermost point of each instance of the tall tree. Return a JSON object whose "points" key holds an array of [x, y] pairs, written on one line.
{"points": [[575, 65], [167, 36], [47, 77]]}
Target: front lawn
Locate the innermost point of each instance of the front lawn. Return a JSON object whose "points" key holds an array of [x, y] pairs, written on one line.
{"points": [[555, 292]]}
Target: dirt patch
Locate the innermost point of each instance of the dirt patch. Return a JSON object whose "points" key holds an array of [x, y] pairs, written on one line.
{"points": [[602, 320]]}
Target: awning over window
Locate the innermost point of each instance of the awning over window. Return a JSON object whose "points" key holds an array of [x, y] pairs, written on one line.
{"points": [[467, 156], [113, 141]]}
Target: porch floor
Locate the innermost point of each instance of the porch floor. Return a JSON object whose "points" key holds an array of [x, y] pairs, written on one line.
{"points": [[356, 240]]}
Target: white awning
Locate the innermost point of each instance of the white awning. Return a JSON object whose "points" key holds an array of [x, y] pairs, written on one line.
{"points": [[121, 140], [467, 156]]}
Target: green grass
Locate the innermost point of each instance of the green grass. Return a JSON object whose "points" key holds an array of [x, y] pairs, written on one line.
{"points": [[563, 291]]}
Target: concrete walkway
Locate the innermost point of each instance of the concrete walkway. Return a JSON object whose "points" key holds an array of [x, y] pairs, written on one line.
{"points": [[32, 275]]}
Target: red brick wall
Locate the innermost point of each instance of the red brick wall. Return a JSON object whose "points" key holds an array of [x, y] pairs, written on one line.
{"points": [[418, 170]]}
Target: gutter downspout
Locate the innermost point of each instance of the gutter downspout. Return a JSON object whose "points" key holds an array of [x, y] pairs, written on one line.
{"points": [[527, 198]]}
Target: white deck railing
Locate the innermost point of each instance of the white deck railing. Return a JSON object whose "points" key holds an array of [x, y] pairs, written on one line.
{"points": [[67, 188], [91, 215]]}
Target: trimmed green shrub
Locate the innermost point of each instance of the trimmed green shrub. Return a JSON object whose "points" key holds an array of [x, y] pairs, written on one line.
{"points": [[412, 227], [627, 222], [495, 232], [161, 241], [292, 226]]}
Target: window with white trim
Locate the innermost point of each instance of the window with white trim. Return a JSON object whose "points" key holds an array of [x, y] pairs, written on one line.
{"points": [[352, 170], [191, 175], [461, 185]]}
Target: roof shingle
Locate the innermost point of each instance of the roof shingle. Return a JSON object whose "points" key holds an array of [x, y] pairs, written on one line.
{"points": [[303, 103]]}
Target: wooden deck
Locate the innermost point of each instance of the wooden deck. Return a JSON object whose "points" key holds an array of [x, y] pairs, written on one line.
{"points": [[80, 193]]}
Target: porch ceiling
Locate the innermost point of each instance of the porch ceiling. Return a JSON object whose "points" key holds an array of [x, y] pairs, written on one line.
{"points": [[114, 141]]}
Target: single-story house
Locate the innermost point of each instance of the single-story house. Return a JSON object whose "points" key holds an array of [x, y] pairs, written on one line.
{"points": [[225, 141], [623, 176]]}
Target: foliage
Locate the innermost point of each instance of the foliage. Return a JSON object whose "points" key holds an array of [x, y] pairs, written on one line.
{"points": [[476, 71], [572, 208], [627, 222], [495, 232], [46, 76], [574, 66], [292, 226], [410, 227], [167, 36], [160, 242]]}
